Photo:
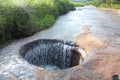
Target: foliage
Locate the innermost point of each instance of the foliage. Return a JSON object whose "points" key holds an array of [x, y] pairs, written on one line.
{"points": [[2, 23], [76, 4], [63, 6], [116, 6], [15, 23], [100, 3], [21, 18], [106, 3]]}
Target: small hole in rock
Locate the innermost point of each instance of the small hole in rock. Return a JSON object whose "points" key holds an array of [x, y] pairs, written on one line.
{"points": [[52, 54]]}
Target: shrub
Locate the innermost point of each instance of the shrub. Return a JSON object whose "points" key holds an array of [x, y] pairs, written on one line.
{"points": [[106, 3], [21, 20], [16, 22], [76, 4], [2, 24], [47, 21], [63, 6]]}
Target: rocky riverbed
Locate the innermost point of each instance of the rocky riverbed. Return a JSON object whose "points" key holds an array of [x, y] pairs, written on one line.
{"points": [[97, 31]]}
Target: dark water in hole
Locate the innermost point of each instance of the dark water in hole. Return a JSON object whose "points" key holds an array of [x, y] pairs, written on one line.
{"points": [[50, 54]]}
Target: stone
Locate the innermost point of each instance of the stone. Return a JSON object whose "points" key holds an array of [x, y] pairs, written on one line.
{"points": [[52, 54]]}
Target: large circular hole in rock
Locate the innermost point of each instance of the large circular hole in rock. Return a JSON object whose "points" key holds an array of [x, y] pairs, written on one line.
{"points": [[52, 54]]}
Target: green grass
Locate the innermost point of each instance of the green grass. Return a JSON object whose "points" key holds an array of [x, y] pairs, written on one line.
{"points": [[113, 6], [97, 3]]}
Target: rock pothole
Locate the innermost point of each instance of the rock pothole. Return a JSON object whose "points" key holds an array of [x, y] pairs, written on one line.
{"points": [[52, 54]]}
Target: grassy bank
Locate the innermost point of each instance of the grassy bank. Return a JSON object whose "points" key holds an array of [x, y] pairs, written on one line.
{"points": [[21, 18], [106, 3], [76, 4], [100, 3], [113, 6]]}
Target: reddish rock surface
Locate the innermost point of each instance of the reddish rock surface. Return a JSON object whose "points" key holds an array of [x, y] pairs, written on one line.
{"points": [[98, 32], [105, 60]]}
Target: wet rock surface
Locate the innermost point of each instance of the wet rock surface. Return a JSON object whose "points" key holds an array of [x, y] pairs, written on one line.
{"points": [[52, 54], [101, 62]]}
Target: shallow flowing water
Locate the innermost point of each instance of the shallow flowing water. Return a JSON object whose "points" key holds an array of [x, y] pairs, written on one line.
{"points": [[52, 54], [66, 28]]}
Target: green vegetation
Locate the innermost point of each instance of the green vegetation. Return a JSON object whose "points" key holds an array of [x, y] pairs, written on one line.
{"points": [[106, 3], [80, 3], [21, 18], [100, 3]]}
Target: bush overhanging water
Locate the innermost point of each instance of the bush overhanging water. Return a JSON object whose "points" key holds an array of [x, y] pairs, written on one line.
{"points": [[21, 18]]}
